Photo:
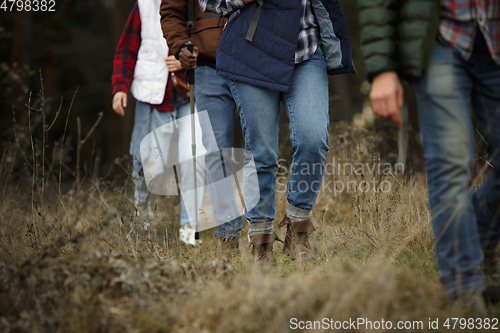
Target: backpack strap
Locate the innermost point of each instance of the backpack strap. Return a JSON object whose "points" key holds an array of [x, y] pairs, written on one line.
{"points": [[255, 21]]}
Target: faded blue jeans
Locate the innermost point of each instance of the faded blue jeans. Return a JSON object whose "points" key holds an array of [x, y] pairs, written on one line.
{"points": [[462, 219], [146, 119], [213, 95], [306, 105]]}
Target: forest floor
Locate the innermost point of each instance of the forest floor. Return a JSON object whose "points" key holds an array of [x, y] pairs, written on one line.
{"points": [[81, 261]]}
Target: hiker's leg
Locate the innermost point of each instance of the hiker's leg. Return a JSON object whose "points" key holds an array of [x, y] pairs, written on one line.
{"points": [[443, 96], [486, 106], [306, 105], [214, 96], [142, 127], [259, 110]]}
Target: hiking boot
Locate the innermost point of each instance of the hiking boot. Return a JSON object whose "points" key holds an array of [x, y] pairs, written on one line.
{"points": [[187, 235], [490, 266], [296, 240], [469, 306], [230, 245], [262, 249]]}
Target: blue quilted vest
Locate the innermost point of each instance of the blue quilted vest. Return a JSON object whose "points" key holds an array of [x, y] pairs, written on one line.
{"points": [[268, 59]]}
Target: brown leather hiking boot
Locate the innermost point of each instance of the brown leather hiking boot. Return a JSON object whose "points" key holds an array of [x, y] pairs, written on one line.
{"points": [[296, 240], [262, 248]]}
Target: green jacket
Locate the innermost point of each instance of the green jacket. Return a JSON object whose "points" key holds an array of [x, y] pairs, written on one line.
{"points": [[398, 35]]}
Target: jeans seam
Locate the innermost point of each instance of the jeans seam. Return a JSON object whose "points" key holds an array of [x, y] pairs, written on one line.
{"points": [[292, 137], [243, 127], [291, 122], [243, 121]]}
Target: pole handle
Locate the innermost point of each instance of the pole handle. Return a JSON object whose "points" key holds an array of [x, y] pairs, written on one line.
{"points": [[190, 47]]}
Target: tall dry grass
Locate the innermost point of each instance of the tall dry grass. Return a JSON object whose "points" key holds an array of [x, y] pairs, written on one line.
{"points": [[83, 262]]}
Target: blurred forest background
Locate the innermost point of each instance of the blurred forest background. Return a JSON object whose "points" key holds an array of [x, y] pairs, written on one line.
{"points": [[72, 49]]}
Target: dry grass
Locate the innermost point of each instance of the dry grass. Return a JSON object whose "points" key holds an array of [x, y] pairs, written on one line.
{"points": [[85, 264]]}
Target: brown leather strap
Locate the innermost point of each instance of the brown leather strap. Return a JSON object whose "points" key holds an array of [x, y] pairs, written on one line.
{"points": [[284, 222]]}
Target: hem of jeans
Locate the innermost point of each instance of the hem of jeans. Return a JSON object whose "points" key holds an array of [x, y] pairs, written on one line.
{"points": [[230, 232], [259, 220], [304, 214], [260, 233], [264, 231], [227, 234], [453, 292]]}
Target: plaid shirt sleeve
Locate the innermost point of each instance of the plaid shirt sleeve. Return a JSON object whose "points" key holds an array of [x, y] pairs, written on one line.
{"points": [[223, 7], [126, 52]]}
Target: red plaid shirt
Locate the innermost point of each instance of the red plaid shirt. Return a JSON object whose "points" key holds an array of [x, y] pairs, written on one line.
{"points": [[126, 57], [461, 18]]}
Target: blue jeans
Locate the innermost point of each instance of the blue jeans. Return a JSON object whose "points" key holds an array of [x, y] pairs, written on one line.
{"points": [[462, 220], [306, 105], [147, 119], [213, 95]]}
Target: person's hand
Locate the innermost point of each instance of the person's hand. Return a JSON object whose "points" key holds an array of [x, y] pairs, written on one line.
{"points": [[173, 64], [188, 59], [120, 102], [386, 96]]}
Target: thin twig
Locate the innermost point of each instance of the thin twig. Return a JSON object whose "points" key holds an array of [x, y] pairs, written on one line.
{"points": [[34, 168], [62, 142], [32, 108], [81, 143], [101, 114], [57, 114], [390, 173], [68, 169]]}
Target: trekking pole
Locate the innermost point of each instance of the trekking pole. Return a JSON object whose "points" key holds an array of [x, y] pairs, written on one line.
{"points": [[190, 47], [403, 140]]}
